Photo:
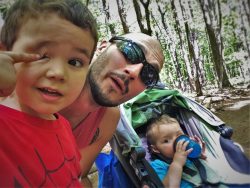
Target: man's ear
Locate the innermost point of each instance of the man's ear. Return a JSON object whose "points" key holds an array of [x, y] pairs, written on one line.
{"points": [[102, 46], [154, 149]]}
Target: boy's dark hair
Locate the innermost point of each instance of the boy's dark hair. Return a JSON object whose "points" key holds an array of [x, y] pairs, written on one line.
{"points": [[22, 10]]}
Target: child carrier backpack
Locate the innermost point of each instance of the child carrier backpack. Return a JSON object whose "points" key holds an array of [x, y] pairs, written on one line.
{"points": [[130, 147]]}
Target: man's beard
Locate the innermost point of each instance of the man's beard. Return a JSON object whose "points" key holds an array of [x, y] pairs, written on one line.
{"points": [[98, 96]]}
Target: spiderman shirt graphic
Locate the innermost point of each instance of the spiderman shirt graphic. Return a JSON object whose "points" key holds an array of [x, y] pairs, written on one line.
{"points": [[35, 152]]}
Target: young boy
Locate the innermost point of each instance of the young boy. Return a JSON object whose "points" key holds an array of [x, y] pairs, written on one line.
{"points": [[37, 148], [174, 168]]}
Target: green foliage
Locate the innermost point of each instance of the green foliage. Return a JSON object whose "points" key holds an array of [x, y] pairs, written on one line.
{"points": [[3, 9], [231, 42], [233, 68], [209, 72], [188, 13]]}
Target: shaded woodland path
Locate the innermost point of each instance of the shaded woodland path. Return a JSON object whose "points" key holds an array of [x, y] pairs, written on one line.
{"points": [[238, 117], [233, 107]]}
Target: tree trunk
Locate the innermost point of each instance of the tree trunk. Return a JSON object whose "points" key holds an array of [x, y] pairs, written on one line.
{"points": [[107, 17], [193, 56], [122, 15], [244, 25], [170, 68], [192, 64], [214, 35], [147, 15], [188, 60], [140, 19]]}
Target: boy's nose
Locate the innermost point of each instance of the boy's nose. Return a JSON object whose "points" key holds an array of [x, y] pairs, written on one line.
{"points": [[56, 70], [133, 70]]}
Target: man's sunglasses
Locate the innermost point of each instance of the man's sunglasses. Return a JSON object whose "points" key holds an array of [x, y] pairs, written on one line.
{"points": [[134, 54]]}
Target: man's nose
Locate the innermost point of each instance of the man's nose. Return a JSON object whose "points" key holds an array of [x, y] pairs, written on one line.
{"points": [[133, 70], [56, 70]]}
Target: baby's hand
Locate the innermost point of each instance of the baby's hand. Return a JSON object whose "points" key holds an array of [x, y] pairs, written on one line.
{"points": [[181, 153], [7, 71], [203, 146]]}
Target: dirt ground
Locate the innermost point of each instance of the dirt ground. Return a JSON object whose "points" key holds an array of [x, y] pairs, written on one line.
{"points": [[239, 120]]}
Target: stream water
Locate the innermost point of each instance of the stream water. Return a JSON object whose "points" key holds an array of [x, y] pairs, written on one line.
{"points": [[238, 117]]}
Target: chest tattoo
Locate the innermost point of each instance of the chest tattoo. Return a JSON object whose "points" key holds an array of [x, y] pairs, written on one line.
{"points": [[97, 132]]}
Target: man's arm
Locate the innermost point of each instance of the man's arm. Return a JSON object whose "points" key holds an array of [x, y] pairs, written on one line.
{"points": [[107, 128]]}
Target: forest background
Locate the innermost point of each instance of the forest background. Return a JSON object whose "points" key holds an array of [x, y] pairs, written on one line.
{"points": [[206, 45]]}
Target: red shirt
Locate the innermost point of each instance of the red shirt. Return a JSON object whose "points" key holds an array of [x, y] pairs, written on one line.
{"points": [[35, 152], [88, 127]]}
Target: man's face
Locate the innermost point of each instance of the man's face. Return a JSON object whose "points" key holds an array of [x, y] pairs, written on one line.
{"points": [[113, 79], [53, 82]]}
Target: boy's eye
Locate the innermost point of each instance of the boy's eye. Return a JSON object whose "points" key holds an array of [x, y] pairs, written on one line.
{"points": [[76, 62], [44, 56]]}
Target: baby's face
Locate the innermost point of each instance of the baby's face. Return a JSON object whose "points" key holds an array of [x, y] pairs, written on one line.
{"points": [[46, 86], [165, 136]]}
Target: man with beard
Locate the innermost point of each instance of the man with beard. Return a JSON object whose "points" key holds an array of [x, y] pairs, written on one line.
{"points": [[120, 69]]}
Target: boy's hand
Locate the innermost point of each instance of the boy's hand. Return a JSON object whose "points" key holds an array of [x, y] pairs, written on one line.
{"points": [[8, 57], [181, 153], [7, 70]]}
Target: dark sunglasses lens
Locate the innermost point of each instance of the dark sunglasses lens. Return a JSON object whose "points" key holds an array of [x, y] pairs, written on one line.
{"points": [[149, 75], [135, 55], [131, 52]]}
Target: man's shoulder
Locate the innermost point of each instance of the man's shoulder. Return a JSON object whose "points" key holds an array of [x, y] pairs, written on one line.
{"points": [[112, 114], [102, 114], [110, 120], [106, 125], [113, 111], [106, 113]]}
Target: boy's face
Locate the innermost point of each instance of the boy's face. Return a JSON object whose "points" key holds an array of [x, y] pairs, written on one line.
{"points": [[53, 82], [165, 136]]}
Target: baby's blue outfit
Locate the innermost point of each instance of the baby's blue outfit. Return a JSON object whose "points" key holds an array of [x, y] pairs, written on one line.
{"points": [[161, 168]]}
